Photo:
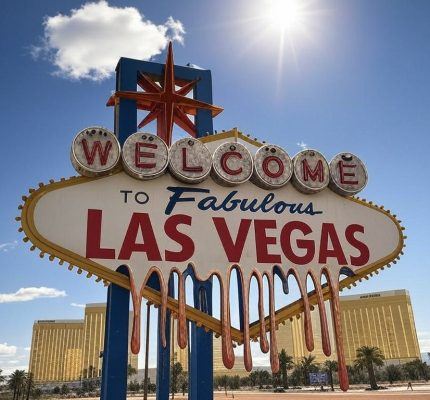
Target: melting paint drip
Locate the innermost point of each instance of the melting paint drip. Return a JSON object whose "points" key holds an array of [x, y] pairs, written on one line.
{"points": [[226, 337]]}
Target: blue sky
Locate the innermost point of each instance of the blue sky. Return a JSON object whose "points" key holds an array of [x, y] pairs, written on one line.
{"points": [[356, 80]]}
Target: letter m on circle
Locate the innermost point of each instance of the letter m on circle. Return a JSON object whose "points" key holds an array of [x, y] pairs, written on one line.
{"points": [[313, 174]]}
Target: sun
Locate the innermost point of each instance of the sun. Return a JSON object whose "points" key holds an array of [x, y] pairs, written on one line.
{"points": [[287, 15], [283, 28]]}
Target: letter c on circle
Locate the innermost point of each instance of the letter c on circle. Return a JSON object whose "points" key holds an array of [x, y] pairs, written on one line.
{"points": [[224, 165]]}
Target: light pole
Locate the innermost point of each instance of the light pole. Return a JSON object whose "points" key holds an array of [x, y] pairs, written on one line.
{"points": [[145, 383], [173, 376]]}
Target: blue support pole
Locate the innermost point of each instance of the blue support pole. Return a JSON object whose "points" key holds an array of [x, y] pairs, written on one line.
{"points": [[203, 92], [115, 353], [114, 385], [163, 361], [200, 374], [201, 363], [163, 353], [125, 111]]}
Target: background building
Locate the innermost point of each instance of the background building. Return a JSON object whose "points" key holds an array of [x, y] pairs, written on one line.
{"points": [[382, 319], [69, 350], [177, 354], [291, 336], [219, 368], [56, 350]]}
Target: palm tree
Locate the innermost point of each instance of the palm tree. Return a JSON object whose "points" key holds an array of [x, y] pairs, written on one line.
{"points": [[223, 381], [253, 378], [263, 378], [131, 370], [416, 369], [296, 376], [424, 370], [29, 384], [37, 392], [355, 374], [330, 366], [367, 357], [175, 372], [307, 365], [285, 363], [276, 379], [2, 378], [394, 373], [91, 371], [16, 382]]}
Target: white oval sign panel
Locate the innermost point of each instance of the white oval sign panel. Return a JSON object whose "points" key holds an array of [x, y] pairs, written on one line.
{"points": [[99, 224]]}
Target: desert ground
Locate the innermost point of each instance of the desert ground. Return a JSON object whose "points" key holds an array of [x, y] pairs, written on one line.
{"points": [[420, 392]]}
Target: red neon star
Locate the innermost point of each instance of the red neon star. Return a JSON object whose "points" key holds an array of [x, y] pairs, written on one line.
{"points": [[166, 104]]}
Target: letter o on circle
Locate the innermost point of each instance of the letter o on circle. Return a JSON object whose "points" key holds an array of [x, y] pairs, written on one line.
{"points": [[272, 167], [95, 151], [145, 156], [232, 164]]}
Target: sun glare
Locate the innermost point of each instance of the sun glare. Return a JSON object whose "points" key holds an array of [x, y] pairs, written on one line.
{"points": [[287, 15], [283, 26]]}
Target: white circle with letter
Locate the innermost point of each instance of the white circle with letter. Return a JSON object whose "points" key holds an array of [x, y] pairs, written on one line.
{"points": [[272, 167], [348, 174], [95, 151], [232, 164], [190, 160], [311, 171], [145, 156]]}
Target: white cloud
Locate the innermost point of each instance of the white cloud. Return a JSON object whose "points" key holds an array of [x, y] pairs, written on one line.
{"points": [[8, 369], [12, 358], [77, 305], [88, 42], [31, 293], [302, 145], [5, 247], [175, 30], [7, 350]]}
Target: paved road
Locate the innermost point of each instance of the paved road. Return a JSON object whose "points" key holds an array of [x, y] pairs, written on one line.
{"points": [[389, 395], [393, 394]]}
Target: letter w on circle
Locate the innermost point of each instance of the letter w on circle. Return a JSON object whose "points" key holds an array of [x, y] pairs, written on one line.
{"points": [[233, 250], [97, 148]]}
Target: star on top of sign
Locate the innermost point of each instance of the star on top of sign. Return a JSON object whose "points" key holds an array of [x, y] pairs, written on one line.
{"points": [[165, 103]]}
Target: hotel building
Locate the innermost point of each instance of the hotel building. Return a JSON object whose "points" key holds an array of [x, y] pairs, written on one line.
{"points": [[382, 319], [70, 350]]}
